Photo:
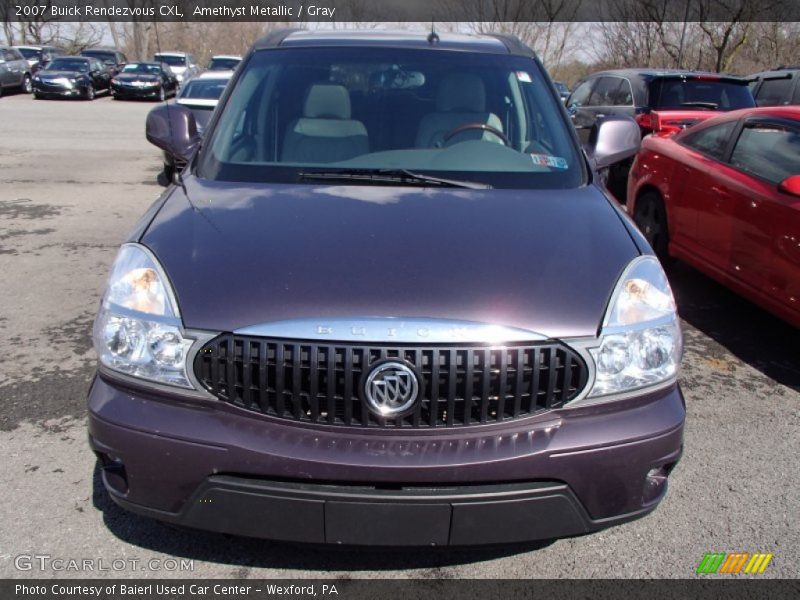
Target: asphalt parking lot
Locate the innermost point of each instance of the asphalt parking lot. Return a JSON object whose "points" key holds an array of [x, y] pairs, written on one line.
{"points": [[74, 178]]}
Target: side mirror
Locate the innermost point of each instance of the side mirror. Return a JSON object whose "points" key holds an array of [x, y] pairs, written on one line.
{"points": [[613, 139], [173, 129], [790, 185]]}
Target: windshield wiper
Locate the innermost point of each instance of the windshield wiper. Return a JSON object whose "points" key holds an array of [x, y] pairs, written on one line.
{"points": [[706, 105], [389, 176]]}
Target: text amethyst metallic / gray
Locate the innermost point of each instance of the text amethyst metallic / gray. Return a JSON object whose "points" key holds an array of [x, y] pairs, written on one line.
{"points": [[386, 303]]}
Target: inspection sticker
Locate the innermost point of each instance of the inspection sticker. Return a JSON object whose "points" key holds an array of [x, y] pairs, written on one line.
{"points": [[524, 76], [545, 160]]}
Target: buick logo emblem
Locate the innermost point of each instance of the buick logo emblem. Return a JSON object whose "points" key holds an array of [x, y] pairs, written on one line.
{"points": [[391, 388]]}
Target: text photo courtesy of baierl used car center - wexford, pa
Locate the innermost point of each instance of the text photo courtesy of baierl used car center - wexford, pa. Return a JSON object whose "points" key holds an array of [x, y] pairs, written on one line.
{"points": [[363, 299]]}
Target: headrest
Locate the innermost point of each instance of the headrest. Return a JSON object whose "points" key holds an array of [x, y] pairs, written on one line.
{"points": [[327, 101], [462, 92]]}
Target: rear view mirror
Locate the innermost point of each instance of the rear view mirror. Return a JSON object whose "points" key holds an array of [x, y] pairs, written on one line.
{"points": [[790, 185], [173, 129], [613, 139]]}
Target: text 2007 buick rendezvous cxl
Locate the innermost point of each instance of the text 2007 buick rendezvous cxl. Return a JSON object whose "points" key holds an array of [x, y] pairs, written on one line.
{"points": [[386, 303]]}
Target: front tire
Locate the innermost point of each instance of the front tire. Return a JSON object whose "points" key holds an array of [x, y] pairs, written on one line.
{"points": [[27, 84], [162, 95], [651, 218], [89, 93]]}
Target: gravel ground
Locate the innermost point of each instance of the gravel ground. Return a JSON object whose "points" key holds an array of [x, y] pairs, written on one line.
{"points": [[75, 176]]}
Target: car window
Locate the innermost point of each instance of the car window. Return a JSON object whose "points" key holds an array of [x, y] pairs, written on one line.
{"points": [[770, 151], [29, 53], [481, 117], [207, 89], [701, 93], [775, 91], [611, 91], [580, 96], [173, 61], [9, 55], [711, 141]]}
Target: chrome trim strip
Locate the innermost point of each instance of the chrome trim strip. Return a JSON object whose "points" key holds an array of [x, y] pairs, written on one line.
{"points": [[388, 330]]}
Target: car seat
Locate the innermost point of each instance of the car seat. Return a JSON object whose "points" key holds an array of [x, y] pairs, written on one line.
{"points": [[325, 133], [460, 99]]}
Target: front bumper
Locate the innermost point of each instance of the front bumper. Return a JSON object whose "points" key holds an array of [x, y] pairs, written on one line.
{"points": [[56, 91], [120, 91], [215, 467]]}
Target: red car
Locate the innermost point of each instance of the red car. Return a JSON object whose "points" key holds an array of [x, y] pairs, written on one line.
{"points": [[724, 196]]}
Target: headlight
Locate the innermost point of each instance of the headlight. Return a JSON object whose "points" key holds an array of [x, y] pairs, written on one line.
{"points": [[138, 329], [640, 342]]}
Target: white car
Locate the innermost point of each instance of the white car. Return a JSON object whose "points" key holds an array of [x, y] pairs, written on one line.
{"points": [[182, 64]]}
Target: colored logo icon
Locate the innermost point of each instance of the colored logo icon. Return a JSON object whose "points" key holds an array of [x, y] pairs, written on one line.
{"points": [[735, 563]]}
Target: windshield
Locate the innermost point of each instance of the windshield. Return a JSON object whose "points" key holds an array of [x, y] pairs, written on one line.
{"points": [[223, 64], [700, 93], [107, 57], [207, 89], [142, 68], [172, 61], [68, 64], [29, 52], [487, 118]]}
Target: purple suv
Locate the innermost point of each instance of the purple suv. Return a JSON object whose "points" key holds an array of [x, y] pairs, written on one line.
{"points": [[387, 302]]}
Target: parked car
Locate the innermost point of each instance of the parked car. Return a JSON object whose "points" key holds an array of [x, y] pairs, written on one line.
{"points": [[724, 197], [15, 73], [150, 80], [72, 77], [659, 100], [371, 311], [201, 95], [776, 88], [39, 56], [223, 62], [182, 64], [112, 58], [563, 90]]}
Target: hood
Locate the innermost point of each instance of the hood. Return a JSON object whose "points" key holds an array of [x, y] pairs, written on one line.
{"points": [[60, 74], [249, 254], [178, 70], [128, 77]]}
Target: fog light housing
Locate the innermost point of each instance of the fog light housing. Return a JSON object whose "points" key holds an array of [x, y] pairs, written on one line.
{"points": [[655, 483]]}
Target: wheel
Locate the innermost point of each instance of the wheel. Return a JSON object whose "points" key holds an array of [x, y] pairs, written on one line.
{"points": [[27, 84], [651, 218], [162, 95], [89, 93]]}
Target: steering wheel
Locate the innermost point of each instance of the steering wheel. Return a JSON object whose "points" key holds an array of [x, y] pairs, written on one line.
{"points": [[482, 126]]}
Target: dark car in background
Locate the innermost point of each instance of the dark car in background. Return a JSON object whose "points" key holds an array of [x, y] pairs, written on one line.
{"points": [[111, 57], [15, 72], [429, 329], [659, 100], [724, 197], [144, 80], [39, 56], [776, 88], [182, 64], [223, 62], [72, 77]]}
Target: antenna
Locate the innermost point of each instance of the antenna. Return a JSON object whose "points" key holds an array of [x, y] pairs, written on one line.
{"points": [[433, 37]]}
